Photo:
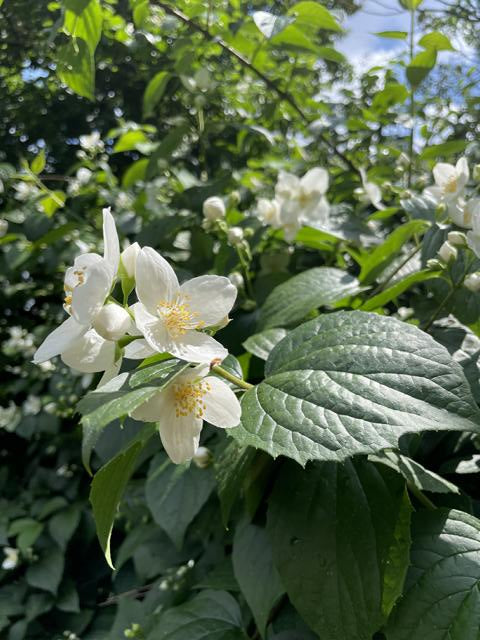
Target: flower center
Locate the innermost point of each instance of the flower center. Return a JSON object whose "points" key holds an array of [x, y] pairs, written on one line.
{"points": [[451, 185], [189, 398], [304, 198], [177, 316], [79, 278]]}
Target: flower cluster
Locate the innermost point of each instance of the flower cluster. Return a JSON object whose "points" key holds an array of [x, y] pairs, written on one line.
{"points": [[297, 202], [169, 317]]}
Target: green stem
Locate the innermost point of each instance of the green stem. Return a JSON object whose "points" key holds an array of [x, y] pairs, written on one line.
{"points": [[439, 308], [231, 378], [246, 276], [383, 284], [421, 497]]}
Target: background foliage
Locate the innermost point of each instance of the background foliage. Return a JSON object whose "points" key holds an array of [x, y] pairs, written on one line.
{"points": [[151, 107]]}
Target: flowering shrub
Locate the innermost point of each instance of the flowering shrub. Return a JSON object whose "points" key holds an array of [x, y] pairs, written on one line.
{"points": [[251, 409]]}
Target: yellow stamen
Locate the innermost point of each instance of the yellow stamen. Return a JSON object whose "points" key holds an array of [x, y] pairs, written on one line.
{"points": [[178, 317], [451, 185], [189, 398]]}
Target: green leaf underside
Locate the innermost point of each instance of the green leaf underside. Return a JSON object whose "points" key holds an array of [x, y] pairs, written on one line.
{"points": [[212, 615], [255, 572], [294, 299], [442, 595], [353, 382], [340, 537], [260, 344]]}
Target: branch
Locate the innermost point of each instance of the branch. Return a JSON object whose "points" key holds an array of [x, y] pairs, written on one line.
{"points": [[271, 84]]}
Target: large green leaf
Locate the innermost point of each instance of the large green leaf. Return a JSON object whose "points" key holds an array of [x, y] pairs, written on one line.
{"points": [[293, 300], [354, 382], [231, 467], [212, 615], [312, 15], [46, 573], [270, 24], [436, 40], [86, 24], [420, 66], [255, 573], [398, 288], [154, 92], [341, 539], [445, 149], [75, 67], [175, 494], [108, 486], [442, 596]]}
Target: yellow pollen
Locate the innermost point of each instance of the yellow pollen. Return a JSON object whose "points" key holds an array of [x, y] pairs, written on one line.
{"points": [[177, 317], [189, 398], [451, 186]]}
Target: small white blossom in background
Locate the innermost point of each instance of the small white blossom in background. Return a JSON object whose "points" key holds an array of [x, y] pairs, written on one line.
{"points": [[450, 183], [447, 252], [473, 236], [82, 178], [20, 340], [181, 408], [11, 559], [472, 281], [92, 142], [235, 236], [369, 193], [171, 317], [32, 405], [25, 191], [203, 458], [457, 238], [268, 211], [214, 209], [9, 416], [237, 280], [3, 227]]}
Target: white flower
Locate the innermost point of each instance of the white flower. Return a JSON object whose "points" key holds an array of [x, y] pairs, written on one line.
{"points": [[25, 191], [457, 238], [236, 279], [473, 236], [450, 182], [472, 281], [32, 405], [11, 558], [462, 212], [302, 200], [235, 235], [213, 209], [269, 212], [129, 259], [169, 315], [92, 142], [182, 406], [3, 227], [83, 175], [370, 193], [87, 285], [447, 252]]}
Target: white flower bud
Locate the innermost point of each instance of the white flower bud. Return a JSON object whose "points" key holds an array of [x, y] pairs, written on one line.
{"points": [[3, 227], [83, 175], [112, 322], [472, 281], [457, 239], [434, 265], [129, 259], [447, 252], [213, 208], [235, 235], [236, 279], [203, 458], [11, 558]]}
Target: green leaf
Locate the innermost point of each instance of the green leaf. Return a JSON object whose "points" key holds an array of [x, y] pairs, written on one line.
{"points": [[441, 598], [396, 35], [410, 5], [293, 300], [255, 572], [63, 525], [130, 141], [269, 24], [353, 382], [172, 485], [76, 68], [231, 467], [108, 486], [211, 614], [86, 25], [154, 92], [135, 173], [68, 600], [414, 473], [420, 66], [38, 163], [27, 531], [52, 202], [398, 288], [446, 149], [436, 40], [341, 537], [312, 15], [260, 344], [161, 373], [46, 572], [392, 94], [379, 259]]}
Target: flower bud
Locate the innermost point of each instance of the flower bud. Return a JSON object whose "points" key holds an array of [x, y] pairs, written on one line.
{"points": [[472, 281], [434, 265], [447, 252], [235, 197], [203, 458], [3, 227], [112, 322], [403, 160], [11, 558], [236, 279], [235, 235], [129, 258], [457, 239], [213, 208]]}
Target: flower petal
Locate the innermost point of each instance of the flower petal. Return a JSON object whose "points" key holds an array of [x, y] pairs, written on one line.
{"points": [[463, 172], [90, 353], [180, 436], [59, 340], [158, 407], [315, 181], [443, 173], [211, 298], [194, 346], [138, 350], [111, 246], [153, 329], [155, 279], [222, 405], [88, 298]]}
